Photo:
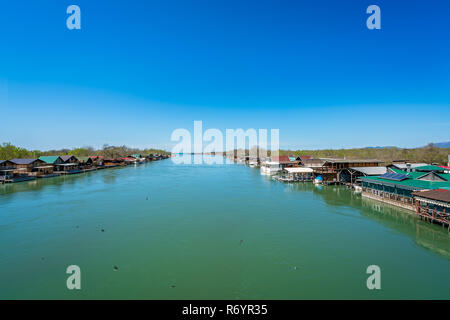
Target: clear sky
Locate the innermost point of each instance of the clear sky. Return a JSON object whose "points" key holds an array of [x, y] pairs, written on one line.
{"points": [[137, 70]]}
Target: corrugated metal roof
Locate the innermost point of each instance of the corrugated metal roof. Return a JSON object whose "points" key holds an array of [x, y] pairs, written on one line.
{"points": [[65, 158], [49, 159], [371, 171], [299, 170], [429, 168], [410, 183], [23, 161], [313, 163], [413, 165], [438, 194], [351, 160], [280, 159]]}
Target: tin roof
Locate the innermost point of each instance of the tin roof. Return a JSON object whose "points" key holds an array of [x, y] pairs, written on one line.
{"points": [[413, 165], [370, 171], [352, 160], [23, 161], [280, 159], [299, 170], [429, 168], [437, 194], [412, 182], [65, 158], [49, 159]]}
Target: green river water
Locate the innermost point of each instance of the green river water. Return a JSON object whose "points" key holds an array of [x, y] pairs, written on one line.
{"points": [[210, 232]]}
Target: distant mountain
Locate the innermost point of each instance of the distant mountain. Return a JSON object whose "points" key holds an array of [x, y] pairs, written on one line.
{"points": [[385, 147], [437, 144], [443, 144]]}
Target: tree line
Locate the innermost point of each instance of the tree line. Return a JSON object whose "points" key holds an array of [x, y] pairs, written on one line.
{"points": [[428, 154], [9, 151]]}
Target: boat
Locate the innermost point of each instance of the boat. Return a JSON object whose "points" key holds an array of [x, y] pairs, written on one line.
{"points": [[318, 180], [253, 164], [270, 168]]}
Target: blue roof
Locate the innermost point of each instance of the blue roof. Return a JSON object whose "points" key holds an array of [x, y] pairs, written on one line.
{"points": [[23, 161]]}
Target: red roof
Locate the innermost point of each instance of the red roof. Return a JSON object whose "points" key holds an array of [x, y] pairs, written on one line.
{"points": [[445, 167], [280, 159]]}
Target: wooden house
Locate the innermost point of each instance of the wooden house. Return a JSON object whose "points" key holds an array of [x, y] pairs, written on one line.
{"points": [[6, 170], [70, 165], [284, 161], [26, 166], [69, 159], [331, 169], [396, 186], [85, 162], [97, 160], [433, 205]]}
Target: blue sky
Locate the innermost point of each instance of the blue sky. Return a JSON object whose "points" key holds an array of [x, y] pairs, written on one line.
{"points": [[137, 70]]}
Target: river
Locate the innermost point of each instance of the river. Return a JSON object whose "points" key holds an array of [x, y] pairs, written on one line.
{"points": [[210, 231]]}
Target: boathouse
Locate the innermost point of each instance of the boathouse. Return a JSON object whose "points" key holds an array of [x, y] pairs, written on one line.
{"points": [[6, 170], [70, 165], [6, 164], [69, 159], [433, 205], [294, 174], [97, 160], [331, 169], [396, 186], [353, 174], [284, 161], [26, 166]]}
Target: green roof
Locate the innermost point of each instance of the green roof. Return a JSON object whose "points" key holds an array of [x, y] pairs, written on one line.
{"points": [[83, 159], [412, 182], [136, 155], [429, 168], [49, 159]]}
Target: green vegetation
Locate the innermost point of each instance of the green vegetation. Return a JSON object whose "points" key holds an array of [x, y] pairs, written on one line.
{"points": [[427, 154], [9, 151]]}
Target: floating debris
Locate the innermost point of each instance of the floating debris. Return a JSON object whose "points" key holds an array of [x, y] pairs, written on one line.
{"points": [[103, 230], [295, 267], [116, 268], [173, 286]]}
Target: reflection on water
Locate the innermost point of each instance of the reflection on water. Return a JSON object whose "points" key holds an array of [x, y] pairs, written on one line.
{"points": [[427, 235]]}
